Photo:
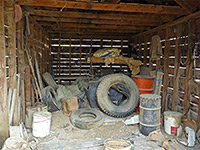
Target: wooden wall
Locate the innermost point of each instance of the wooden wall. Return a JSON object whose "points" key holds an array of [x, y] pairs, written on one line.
{"points": [[180, 89], [69, 57], [14, 62]]}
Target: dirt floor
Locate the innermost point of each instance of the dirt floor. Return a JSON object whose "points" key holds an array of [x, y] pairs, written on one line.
{"points": [[64, 136]]}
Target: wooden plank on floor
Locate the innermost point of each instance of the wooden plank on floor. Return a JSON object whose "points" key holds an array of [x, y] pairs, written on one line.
{"points": [[3, 86]]}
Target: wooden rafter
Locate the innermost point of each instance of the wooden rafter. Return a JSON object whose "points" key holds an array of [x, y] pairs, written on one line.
{"points": [[184, 4], [140, 8], [88, 26], [96, 21], [100, 15], [171, 24]]}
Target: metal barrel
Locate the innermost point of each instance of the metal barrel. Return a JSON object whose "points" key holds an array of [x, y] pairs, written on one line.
{"points": [[150, 106]]}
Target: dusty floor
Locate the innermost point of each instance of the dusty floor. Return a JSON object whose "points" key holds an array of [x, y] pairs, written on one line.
{"points": [[66, 137]]}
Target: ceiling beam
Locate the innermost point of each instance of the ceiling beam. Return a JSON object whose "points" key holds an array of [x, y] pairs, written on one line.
{"points": [[184, 4], [91, 31], [104, 36], [104, 22], [88, 26], [98, 15], [139, 8], [170, 24]]}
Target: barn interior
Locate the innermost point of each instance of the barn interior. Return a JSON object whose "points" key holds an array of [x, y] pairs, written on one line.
{"points": [[63, 56]]}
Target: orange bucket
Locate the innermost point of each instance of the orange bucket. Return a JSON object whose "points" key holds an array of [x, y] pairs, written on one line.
{"points": [[144, 84]]}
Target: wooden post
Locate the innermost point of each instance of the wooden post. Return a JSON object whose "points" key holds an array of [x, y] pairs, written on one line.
{"points": [[59, 50], [21, 63], [176, 69], [70, 57], [121, 51], [90, 55], [111, 44], [3, 86], [101, 46], [140, 48], [158, 62], [145, 51], [80, 54], [12, 53], [166, 67], [50, 64], [199, 107], [188, 73], [150, 62]]}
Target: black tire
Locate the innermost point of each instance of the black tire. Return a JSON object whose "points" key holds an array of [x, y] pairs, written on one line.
{"points": [[128, 106], [86, 118]]}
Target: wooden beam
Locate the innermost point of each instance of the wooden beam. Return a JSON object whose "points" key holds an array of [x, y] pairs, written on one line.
{"points": [[87, 26], [139, 8], [184, 4], [92, 31], [199, 106], [10, 15], [4, 127], [145, 51], [59, 57], [171, 24], [176, 69], [137, 22], [21, 63], [188, 72], [114, 16], [91, 35], [166, 67], [80, 53]]}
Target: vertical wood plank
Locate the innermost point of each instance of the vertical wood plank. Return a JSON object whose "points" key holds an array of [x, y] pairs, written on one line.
{"points": [[50, 64], [158, 62], [121, 51], [101, 46], [21, 63], [199, 107], [188, 73], [70, 57], [90, 55], [80, 54], [27, 78], [176, 69], [59, 49], [12, 53], [111, 44], [166, 67], [145, 51], [140, 48], [150, 39], [3, 86]]}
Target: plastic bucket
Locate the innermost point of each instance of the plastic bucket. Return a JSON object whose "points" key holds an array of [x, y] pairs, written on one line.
{"points": [[30, 110], [150, 105], [117, 144], [41, 124], [172, 121]]}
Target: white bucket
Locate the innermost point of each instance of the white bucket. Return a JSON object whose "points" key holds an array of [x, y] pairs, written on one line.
{"points": [[41, 124], [117, 144], [172, 121]]}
